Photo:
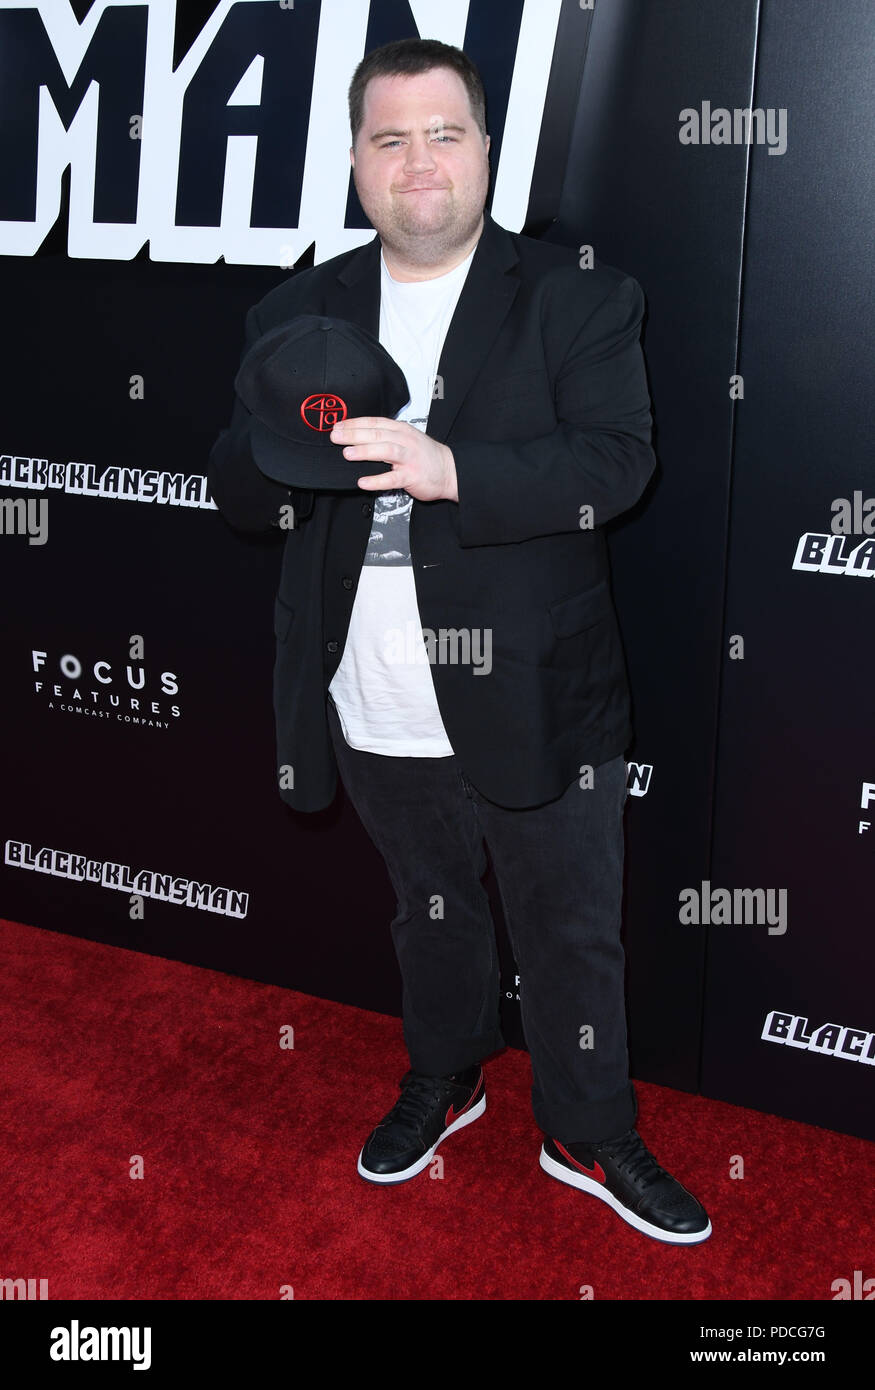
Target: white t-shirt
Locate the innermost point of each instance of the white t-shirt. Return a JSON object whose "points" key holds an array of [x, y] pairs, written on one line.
{"points": [[383, 687]]}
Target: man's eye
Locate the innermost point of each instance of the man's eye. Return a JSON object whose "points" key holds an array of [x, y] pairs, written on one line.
{"points": [[450, 139]]}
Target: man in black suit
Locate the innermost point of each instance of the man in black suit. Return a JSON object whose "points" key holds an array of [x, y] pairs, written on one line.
{"points": [[452, 649]]}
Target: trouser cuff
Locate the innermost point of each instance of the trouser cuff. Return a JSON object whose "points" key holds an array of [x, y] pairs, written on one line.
{"points": [[589, 1122], [441, 1057]]}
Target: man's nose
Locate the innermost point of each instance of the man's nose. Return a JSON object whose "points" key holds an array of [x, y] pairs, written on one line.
{"points": [[420, 155]]}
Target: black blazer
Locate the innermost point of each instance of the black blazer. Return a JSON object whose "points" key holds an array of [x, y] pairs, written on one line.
{"points": [[546, 409]]}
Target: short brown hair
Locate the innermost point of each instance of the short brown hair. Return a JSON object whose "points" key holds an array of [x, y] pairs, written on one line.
{"points": [[409, 58]]}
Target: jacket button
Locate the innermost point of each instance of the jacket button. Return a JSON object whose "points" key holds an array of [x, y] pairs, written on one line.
{"points": [[346, 582], [332, 646], [367, 508]]}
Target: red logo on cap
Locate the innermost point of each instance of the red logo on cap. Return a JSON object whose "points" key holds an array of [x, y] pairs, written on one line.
{"points": [[323, 412]]}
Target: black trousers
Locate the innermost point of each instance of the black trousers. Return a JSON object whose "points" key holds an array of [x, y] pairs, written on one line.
{"points": [[559, 869]]}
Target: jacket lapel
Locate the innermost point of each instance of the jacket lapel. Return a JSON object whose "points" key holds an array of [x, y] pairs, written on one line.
{"points": [[354, 294], [484, 303], [486, 297]]}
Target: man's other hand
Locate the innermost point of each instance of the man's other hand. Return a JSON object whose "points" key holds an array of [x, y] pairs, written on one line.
{"points": [[421, 465]]}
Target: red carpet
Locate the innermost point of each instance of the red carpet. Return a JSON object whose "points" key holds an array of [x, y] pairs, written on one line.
{"points": [[248, 1153]]}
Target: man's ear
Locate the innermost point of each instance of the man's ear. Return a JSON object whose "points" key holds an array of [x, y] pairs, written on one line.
{"points": [[351, 156], [488, 143]]}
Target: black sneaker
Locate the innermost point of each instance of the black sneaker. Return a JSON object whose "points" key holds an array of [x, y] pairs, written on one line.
{"points": [[623, 1173], [430, 1108]]}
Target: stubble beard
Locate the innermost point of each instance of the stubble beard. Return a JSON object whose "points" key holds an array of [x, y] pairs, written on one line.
{"points": [[403, 234]]}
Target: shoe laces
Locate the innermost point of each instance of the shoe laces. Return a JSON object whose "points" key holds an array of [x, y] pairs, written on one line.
{"points": [[416, 1102], [632, 1157]]}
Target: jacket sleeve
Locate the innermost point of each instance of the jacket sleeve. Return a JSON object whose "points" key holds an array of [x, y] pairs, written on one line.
{"points": [[245, 496], [599, 454]]}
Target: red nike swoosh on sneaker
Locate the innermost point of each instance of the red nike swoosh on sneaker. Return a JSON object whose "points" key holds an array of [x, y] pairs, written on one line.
{"points": [[453, 1115], [597, 1171]]}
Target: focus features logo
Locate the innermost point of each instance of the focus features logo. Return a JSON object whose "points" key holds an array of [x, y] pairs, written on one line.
{"points": [[123, 691]]}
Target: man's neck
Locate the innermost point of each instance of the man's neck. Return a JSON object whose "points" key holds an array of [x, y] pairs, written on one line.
{"points": [[401, 266]]}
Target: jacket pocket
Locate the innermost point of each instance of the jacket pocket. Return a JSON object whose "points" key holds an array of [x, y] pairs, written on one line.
{"points": [[580, 611], [283, 617]]}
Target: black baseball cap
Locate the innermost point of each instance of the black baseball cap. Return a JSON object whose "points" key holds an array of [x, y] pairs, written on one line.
{"points": [[303, 377]]}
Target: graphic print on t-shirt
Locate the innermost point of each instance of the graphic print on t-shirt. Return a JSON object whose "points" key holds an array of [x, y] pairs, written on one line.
{"points": [[389, 542]]}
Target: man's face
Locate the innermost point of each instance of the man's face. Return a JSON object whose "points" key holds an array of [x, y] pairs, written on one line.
{"points": [[420, 164]]}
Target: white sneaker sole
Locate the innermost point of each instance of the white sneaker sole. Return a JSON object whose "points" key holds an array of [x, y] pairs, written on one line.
{"points": [[595, 1189], [469, 1116]]}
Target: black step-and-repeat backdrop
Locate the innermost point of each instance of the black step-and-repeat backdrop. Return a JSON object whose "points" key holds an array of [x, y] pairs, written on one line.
{"points": [[158, 173]]}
